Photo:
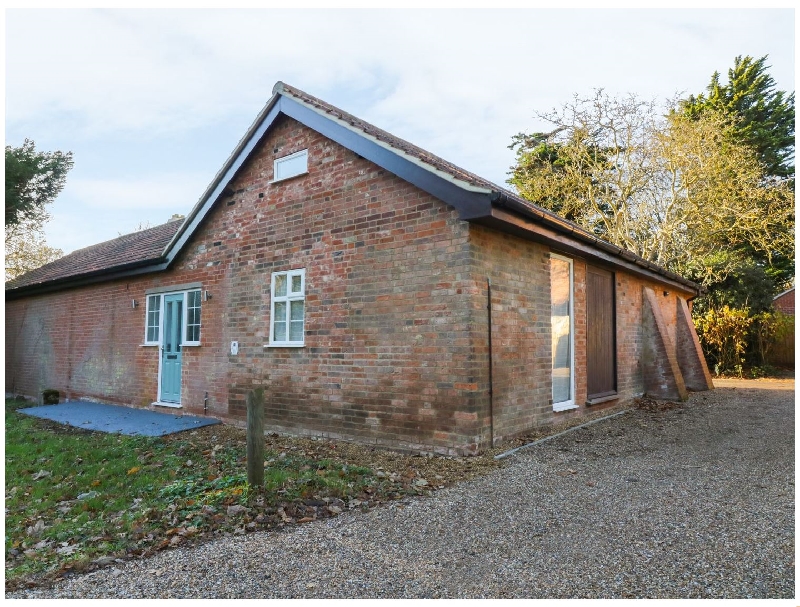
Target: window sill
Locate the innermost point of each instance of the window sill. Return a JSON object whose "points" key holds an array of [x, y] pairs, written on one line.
{"points": [[284, 345], [148, 345], [564, 407], [287, 178], [170, 405], [602, 399]]}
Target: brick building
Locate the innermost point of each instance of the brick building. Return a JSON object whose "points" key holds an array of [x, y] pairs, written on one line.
{"points": [[782, 353], [785, 302], [375, 291]]}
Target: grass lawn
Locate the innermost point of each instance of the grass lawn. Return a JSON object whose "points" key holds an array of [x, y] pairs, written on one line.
{"points": [[76, 500]]}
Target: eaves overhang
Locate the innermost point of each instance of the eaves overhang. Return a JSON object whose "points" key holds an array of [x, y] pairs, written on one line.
{"points": [[521, 219], [79, 280]]}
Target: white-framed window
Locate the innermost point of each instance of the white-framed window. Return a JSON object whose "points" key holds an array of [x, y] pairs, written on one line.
{"points": [[192, 317], [287, 308], [153, 315], [562, 323], [190, 323], [290, 166]]}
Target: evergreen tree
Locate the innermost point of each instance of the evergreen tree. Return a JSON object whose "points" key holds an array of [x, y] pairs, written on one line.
{"points": [[765, 115], [33, 179]]}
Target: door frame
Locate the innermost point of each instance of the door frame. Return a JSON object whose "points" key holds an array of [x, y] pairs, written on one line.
{"points": [[607, 395], [183, 331]]}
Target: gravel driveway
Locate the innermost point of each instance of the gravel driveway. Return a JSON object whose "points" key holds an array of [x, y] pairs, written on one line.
{"points": [[695, 501]]}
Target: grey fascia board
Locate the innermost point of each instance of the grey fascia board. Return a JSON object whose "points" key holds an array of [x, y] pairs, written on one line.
{"points": [[470, 201], [223, 177], [81, 280], [782, 294]]}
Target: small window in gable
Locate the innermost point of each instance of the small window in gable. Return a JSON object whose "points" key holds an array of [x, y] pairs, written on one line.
{"points": [[291, 166]]}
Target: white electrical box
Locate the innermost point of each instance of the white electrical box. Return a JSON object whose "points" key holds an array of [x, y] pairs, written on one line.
{"points": [[234, 348]]}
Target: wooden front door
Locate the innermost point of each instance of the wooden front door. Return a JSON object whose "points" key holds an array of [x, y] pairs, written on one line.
{"points": [[601, 331]]}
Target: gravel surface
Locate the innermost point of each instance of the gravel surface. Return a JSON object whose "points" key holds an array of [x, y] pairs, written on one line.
{"points": [[673, 502]]}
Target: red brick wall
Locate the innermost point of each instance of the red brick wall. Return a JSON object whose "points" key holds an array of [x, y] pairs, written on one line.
{"points": [[785, 303], [396, 349], [389, 302], [520, 275]]}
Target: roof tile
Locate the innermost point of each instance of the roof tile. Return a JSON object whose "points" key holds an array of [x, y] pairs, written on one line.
{"points": [[142, 246]]}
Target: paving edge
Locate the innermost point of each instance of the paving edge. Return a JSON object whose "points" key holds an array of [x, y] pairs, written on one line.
{"points": [[511, 452]]}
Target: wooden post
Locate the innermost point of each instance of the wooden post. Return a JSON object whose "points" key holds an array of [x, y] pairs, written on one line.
{"points": [[255, 437]]}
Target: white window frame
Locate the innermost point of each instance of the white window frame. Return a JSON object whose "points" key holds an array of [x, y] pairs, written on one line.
{"points": [[568, 404], [184, 321], [284, 159], [148, 299], [288, 298]]}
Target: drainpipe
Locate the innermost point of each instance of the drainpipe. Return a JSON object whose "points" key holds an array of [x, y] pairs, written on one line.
{"points": [[205, 404], [491, 364]]}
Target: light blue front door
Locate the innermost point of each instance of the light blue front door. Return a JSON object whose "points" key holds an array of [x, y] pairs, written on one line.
{"points": [[171, 349]]}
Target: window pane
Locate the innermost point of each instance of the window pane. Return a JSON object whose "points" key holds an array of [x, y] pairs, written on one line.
{"points": [[153, 317], [193, 316], [280, 330], [287, 167], [297, 284], [297, 310], [280, 285], [280, 311], [296, 330], [560, 324]]}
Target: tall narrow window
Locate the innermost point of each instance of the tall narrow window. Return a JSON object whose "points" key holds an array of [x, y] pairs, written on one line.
{"points": [[287, 314], [561, 320], [193, 317], [153, 319]]}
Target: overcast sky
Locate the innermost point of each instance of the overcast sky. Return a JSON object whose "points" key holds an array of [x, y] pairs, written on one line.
{"points": [[151, 103]]}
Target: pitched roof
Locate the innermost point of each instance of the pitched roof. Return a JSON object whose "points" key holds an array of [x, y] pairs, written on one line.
{"points": [[475, 198], [395, 142], [138, 248]]}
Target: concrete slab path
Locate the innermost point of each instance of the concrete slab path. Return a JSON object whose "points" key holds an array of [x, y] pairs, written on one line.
{"points": [[116, 418]]}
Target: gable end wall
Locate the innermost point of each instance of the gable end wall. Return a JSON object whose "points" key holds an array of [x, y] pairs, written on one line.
{"points": [[389, 355]]}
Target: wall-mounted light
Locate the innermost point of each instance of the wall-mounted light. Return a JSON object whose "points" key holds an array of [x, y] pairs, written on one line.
{"points": [[134, 303], [206, 295]]}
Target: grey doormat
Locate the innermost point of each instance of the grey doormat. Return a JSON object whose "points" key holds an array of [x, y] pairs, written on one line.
{"points": [[115, 418]]}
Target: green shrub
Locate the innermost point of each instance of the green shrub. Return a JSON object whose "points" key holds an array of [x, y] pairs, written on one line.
{"points": [[723, 333]]}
